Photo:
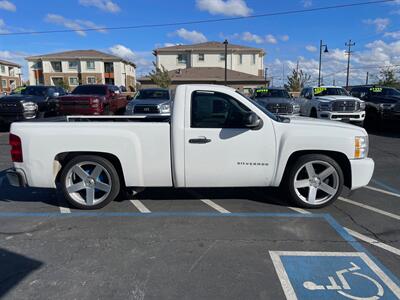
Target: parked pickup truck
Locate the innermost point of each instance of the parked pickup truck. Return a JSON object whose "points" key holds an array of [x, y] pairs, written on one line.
{"points": [[277, 100], [150, 102], [331, 103], [95, 99], [216, 137]]}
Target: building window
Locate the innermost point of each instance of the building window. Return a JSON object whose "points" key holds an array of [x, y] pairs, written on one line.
{"points": [[240, 58], [90, 65], [3, 69], [4, 83], [182, 58], [73, 65], [91, 80], [222, 57], [56, 65], [201, 56], [58, 81], [253, 59], [73, 81]]}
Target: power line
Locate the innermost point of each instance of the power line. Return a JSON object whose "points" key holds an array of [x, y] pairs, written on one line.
{"points": [[264, 15]]}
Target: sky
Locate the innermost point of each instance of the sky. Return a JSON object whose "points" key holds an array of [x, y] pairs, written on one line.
{"points": [[286, 39]]}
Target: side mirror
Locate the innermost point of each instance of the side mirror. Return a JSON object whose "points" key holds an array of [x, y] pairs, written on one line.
{"points": [[252, 121], [56, 94]]}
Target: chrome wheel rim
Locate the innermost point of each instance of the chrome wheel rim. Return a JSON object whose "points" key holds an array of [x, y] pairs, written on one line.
{"points": [[316, 182], [88, 183]]}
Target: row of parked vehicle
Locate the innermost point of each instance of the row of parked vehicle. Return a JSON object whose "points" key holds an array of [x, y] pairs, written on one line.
{"points": [[363, 103]]}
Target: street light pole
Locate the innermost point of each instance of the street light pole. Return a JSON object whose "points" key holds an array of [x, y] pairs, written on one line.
{"points": [[321, 45], [226, 61]]}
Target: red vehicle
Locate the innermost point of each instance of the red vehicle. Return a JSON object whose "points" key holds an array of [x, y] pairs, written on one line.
{"points": [[96, 99]]}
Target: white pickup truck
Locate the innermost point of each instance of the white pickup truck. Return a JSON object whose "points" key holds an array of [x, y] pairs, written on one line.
{"points": [[216, 137]]}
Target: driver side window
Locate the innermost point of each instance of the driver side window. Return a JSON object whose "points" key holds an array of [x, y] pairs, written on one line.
{"points": [[217, 110]]}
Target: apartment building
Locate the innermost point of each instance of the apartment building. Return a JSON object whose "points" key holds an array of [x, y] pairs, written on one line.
{"points": [[10, 76], [78, 67], [212, 55]]}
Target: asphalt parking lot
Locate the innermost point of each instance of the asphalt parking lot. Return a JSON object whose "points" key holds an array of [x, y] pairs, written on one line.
{"points": [[205, 243]]}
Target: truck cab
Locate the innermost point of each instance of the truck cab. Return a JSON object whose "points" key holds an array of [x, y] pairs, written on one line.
{"points": [[331, 103]]}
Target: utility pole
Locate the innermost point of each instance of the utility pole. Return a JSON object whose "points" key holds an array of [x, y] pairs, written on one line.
{"points": [[283, 74], [348, 52], [226, 61], [366, 80]]}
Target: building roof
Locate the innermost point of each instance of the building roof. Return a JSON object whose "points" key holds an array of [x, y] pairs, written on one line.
{"points": [[9, 63], [209, 74], [80, 54], [209, 46]]}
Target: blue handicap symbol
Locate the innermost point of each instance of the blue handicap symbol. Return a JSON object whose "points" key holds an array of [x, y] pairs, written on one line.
{"points": [[336, 277]]}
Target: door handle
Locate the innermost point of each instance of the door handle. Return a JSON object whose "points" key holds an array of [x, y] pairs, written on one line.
{"points": [[201, 140]]}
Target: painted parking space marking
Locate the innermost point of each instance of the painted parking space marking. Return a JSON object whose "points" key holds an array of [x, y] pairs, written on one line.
{"points": [[332, 275], [299, 210], [373, 241], [216, 206], [140, 206], [382, 191], [371, 208], [385, 186], [63, 206]]}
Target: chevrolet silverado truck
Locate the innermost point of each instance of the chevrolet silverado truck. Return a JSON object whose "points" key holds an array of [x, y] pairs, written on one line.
{"points": [[332, 103], [32, 103], [93, 99], [215, 137], [155, 101], [277, 101]]}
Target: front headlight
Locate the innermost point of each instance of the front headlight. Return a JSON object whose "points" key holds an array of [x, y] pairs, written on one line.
{"points": [[30, 106], [362, 105], [386, 106], [361, 147], [165, 108], [296, 108]]}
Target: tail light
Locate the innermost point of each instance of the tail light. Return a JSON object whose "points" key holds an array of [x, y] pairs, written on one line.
{"points": [[16, 148]]}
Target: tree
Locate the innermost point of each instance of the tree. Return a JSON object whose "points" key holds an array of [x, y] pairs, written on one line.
{"points": [[387, 77], [297, 80], [160, 76]]}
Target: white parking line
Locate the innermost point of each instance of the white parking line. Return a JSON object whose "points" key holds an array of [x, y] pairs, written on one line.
{"points": [[373, 242], [382, 191], [140, 206], [300, 210], [371, 208], [215, 206], [64, 209]]}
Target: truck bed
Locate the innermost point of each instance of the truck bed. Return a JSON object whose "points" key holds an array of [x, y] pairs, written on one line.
{"points": [[138, 119]]}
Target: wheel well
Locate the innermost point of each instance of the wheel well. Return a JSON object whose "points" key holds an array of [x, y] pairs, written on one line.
{"points": [[339, 157], [64, 158]]}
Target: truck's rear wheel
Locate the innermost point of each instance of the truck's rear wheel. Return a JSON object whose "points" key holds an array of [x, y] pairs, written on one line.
{"points": [[89, 182], [315, 181]]}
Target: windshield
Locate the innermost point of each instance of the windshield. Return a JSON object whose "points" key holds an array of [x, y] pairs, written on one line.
{"points": [[153, 94], [34, 91], [327, 91], [384, 92], [270, 93], [90, 90], [263, 109]]}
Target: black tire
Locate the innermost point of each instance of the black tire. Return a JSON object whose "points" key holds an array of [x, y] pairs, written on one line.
{"points": [[313, 113], [110, 170], [297, 166]]}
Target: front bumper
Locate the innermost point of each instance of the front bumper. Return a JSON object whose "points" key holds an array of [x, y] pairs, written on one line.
{"points": [[16, 178], [361, 172], [390, 115], [14, 117], [342, 116]]}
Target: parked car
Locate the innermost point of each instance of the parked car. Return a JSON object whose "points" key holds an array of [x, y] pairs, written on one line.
{"points": [[383, 104], [277, 101], [33, 102], [215, 138], [331, 103], [94, 99], [150, 102]]}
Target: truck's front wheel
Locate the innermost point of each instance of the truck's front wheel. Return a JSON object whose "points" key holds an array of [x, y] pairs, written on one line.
{"points": [[315, 181], [89, 182]]}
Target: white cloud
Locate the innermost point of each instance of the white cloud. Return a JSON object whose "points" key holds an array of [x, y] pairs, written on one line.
{"points": [[270, 39], [250, 37], [225, 7], [190, 36], [77, 25], [311, 48], [105, 5], [379, 23], [307, 3], [284, 38], [7, 5], [394, 35], [143, 60], [3, 27], [16, 57]]}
